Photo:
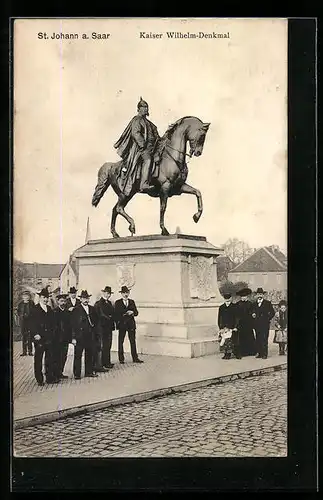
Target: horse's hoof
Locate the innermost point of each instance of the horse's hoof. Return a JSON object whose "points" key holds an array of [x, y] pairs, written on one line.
{"points": [[165, 232], [196, 217], [115, 235], [132, 230]]}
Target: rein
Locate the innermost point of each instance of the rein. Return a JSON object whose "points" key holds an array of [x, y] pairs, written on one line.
{"points": [[178, 151]]}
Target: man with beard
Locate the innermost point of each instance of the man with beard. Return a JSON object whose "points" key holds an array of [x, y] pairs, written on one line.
{"points": [[63, 335], [262, 312], [245, 323], [137, 147]]}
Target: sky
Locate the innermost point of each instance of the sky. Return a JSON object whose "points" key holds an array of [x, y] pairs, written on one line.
{"points": [[73, 99]]}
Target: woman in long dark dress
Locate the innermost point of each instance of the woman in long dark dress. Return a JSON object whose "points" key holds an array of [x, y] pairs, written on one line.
{"points": [[245, 323]]}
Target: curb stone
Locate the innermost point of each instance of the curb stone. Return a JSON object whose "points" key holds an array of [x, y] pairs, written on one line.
{"points": [[140, 397]]}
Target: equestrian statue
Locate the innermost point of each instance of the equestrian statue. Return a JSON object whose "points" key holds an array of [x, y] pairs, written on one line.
{"points": [[152, 164]]}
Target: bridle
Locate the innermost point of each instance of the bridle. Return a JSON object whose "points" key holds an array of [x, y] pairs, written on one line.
{"points": [[181, 152]]}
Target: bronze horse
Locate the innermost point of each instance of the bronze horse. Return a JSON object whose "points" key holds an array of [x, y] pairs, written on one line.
{"points": [[172, 172]]}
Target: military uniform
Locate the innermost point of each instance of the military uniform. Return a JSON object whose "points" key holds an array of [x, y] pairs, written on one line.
{"points": [[136, 147]]}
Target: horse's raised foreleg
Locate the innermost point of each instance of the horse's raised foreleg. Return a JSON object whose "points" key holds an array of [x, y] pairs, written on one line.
{"points": [[163, 205], [187, 189], [119, 208]]}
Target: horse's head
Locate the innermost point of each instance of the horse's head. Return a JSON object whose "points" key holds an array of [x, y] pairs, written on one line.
{"points": [[196, 133]]}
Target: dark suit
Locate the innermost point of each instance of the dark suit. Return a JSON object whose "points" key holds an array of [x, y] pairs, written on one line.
{"points": [[43, 324], [245, 328], [105, 312], [84, 331], [63, 336], [69, 303], [126, 324], [24, 313], [227, 318], [264, 313]]}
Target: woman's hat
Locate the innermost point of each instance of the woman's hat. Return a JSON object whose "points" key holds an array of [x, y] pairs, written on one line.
{"points": [[107, 289], [227, 295], [72, 289], [282, 303], [84, 294], [260, 290], [124, 289], [44, 293], [244, 292]]}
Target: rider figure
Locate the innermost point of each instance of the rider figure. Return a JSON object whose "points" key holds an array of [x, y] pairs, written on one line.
{"points": [[137, 143]]}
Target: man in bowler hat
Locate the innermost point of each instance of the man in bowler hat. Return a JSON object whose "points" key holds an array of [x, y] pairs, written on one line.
{"points": [[105, 311], [84, 335], [125, 312], [43, 331], [24, 311], [72, 300], [262, 313], [63, 334]]}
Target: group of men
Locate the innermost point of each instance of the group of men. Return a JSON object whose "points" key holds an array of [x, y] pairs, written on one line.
{"points": [[244, 325], [74, 321]]}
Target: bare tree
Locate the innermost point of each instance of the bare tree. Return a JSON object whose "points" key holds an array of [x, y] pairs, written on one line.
{"points": [[237, 250]]}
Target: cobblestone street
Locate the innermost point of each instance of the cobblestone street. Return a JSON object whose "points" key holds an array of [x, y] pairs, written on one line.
{"points": [[239, 418]]}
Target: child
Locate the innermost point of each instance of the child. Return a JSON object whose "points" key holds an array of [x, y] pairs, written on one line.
{"points": [[280, 337]]}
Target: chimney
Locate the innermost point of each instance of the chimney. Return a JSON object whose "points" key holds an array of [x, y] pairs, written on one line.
{"points": [[88, 231]]}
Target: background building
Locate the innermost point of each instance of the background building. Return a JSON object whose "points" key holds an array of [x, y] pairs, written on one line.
{"points": [[266, 268], [69, 274], [38, 275]]}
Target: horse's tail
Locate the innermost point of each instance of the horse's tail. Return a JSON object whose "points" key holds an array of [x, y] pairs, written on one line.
{"points": [[102, 184]]}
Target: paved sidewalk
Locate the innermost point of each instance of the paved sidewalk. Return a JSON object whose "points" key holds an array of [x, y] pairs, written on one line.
{"points": [[123, 383]]}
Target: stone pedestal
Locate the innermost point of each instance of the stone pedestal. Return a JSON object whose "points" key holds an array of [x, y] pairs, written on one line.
{"points": [[173, 280]]}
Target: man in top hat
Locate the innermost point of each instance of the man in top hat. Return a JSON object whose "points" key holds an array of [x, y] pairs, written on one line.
{"points": [[245, 323], [72, 300], [105, 311], [227, 320], [125, 312], [63, 335], [43, 332], [262, 313], [137, 145], [84, 335], [24, 313]]}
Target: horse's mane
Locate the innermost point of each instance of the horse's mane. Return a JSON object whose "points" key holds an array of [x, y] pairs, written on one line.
{"points": [[171, 129]]}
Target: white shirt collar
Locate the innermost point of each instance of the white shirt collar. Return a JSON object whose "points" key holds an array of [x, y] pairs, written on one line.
{"points": [[86, 308], [43, 306], [73, 300]]}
